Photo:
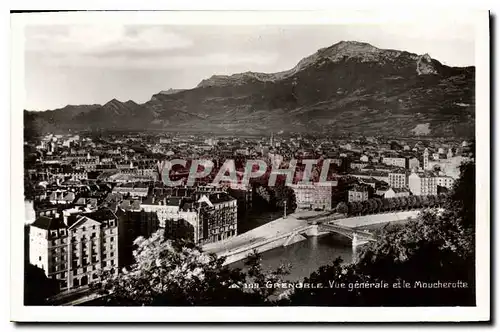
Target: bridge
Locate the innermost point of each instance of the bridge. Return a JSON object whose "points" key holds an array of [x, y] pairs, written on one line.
{"points": [[297, 227]]}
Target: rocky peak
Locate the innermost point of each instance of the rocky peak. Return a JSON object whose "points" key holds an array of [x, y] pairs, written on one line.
{"points": [[114, 104], [425, 65]]}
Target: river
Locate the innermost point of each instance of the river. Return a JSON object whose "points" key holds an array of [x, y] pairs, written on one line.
{"points": [[306, 256]]}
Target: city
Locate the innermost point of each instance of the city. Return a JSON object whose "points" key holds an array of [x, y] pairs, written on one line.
{"points": [[89, 197], [266, 166]]}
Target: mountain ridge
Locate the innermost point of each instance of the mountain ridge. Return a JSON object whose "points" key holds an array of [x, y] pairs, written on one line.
{"points": [[347, 87]]}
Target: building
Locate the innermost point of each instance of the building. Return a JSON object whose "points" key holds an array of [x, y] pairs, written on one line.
{"points": [[211, 215], [377, 175], [449, 166], [372, 182], [364, 158], [396, 192], [219, 215], [398, 179], [413, 163], [395, 161], [134, 224], [358, 165], [134, 189], [426, 159], [75, 249], [422, 184], [445, 181], [313, 196], [358, 194], [61, 197], [381, 191]]}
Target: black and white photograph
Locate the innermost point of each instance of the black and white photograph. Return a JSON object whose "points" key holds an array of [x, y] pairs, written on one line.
{"points": [[166, 162]]}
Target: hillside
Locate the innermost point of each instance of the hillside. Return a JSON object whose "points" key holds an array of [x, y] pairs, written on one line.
{"points": [[347, 87]]}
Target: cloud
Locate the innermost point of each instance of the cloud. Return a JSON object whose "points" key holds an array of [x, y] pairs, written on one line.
{"points": [[102, 39], [162, 62]]}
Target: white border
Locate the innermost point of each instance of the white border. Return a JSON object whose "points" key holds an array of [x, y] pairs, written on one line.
{"points": [[248, 314]]}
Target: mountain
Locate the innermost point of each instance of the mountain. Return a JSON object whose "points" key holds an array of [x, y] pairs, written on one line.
{"points": [[347, 87]]}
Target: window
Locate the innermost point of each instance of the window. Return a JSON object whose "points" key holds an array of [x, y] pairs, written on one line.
{"points": [[75, 272], [83, 229], [39, 258]]}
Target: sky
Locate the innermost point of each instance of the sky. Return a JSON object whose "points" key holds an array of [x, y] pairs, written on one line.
{"points": [[92, 64]]}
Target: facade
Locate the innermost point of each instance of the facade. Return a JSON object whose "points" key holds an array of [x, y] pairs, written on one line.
{"points": [[74, 249], [396, 192], [133, 224], [132, 189], [426, 159], [358, 165], [212, 215], [395, 161], [358, 194], [445, 181], [398, 179], [313, 196], [62, 197], [380, 176], [219, 215], [413, 163], [422, 184]]}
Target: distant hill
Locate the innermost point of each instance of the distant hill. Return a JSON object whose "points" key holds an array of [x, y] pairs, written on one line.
{"points": [[347, 87]]}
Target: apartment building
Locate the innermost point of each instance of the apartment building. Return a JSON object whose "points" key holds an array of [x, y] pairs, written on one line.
{"points": [[358, 194], [398, 179], [74, 249], [211, 214], [313, 196], [422, 184]]}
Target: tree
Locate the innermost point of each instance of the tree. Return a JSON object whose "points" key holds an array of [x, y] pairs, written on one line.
{"points": [[37, 287], [282, 194], [411, 202], [365, 207], [263, 193], [403, 202], [396, 203], [178, 273], [342, 208], [380, 205], [386, 204], [418, 201], [357, 207]]}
